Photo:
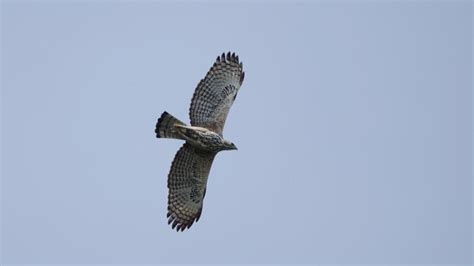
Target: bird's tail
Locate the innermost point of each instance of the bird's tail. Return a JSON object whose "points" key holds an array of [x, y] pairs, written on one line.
{"points": [[165, 128]]}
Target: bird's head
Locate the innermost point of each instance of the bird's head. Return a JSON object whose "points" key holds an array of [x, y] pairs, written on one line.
{"points": [[229, 145]]}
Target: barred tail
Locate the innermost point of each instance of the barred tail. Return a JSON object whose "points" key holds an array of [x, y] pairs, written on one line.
{"points": [[165, 128]]}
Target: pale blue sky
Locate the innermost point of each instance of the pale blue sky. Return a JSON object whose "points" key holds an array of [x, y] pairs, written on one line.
{"points": [[353, 126]]}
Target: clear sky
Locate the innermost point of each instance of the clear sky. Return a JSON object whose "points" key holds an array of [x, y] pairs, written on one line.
{"points": [[353, 126]]}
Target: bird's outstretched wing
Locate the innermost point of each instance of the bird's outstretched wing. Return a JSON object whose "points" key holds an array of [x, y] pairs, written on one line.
{"points": [[215, 93], [187, 185]]}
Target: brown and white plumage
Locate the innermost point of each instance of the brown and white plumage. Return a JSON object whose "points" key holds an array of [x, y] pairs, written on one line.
{"points": [[216, 93], [187, 182], [211, 102]]}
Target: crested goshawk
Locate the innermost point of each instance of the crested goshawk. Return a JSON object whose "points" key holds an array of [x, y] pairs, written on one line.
{"points": [[189, 171]]}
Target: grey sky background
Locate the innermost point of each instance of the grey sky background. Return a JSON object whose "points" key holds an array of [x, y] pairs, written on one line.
{"points": [[353, 126]]}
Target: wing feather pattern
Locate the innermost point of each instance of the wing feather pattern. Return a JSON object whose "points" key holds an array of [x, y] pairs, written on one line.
{"points": [[216, 93], [187, 185]]}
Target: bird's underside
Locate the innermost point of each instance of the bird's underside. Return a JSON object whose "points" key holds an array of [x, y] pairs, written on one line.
{"points": [[211, 102]]}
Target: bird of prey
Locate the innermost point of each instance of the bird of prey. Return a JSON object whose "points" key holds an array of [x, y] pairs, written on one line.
{"points": [[189, 171]]}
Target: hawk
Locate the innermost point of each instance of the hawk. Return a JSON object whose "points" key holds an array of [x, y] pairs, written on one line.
{"points": [[210, 104]]}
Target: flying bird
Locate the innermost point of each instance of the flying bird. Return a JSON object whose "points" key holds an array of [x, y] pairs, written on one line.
{"points": [[210, 104]]}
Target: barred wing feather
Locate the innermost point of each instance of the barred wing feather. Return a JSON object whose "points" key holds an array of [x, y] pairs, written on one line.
{"points": [[187, 182], [216, 93]]}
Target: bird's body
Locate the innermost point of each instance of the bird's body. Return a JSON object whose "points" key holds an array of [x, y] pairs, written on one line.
{"points": [[205, 139], [198, 137], [211, 102]]}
